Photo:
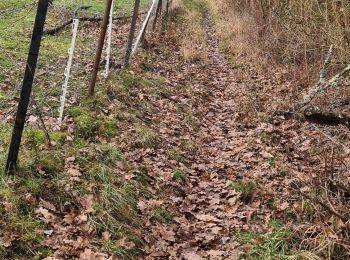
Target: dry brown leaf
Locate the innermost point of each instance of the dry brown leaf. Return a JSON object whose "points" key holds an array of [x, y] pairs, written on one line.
{"points": [[207, 218], [192, 256], [74, 172], [87, 254], [168, 235], [69, 218], [48, 217], [47, 205], [7, 239], [124, 242], [87, 202], [106, 235]]}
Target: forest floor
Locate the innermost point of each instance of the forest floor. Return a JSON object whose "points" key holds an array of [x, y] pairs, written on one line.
{"points": [[179, 156]]}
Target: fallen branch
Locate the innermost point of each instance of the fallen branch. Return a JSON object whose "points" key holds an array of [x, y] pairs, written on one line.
{"points": [[94, 18], [316, 115], [317, 88], [39, 114], [322, 83], [325, 206], [320, 116]]}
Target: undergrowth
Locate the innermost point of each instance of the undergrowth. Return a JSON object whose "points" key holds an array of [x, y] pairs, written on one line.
{"points": [[44, 174]]}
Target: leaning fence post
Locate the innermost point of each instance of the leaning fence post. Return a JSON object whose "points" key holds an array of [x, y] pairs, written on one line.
{"points": [[158, 12], [132, 33], [109, 42], [27, 85], [144, 27], [101, 42], [167, 6]]}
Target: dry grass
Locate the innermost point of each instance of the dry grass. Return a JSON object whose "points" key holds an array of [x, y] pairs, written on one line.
{"points": [[237, 31], [193, 45], [193, 42], [286, 32]]}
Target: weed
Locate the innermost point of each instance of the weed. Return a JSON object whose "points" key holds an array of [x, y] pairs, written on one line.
{"points": [[177, 15], [59, 137], [282, 171], [108, 128], [162, 215], [273, 160], [179, 174], [264, 245], [233, 61], [109, 154], [47, 164], [178, 190], [119, 203], [32, 238], [187, 145], [245, 188], [141, 175], [139, 242], [199, 6], [112, 246], [33, 136], [104, 221], [85, 125], [100, 172], [180, 158], [33, 184], [191, 121], [128, 78], [76, 111], [141, 136]]}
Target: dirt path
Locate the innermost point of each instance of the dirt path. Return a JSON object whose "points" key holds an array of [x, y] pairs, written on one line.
{"points": [[208, 209]]}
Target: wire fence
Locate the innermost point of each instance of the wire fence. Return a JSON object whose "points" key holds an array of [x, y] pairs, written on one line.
{"points": [[51, 72]]}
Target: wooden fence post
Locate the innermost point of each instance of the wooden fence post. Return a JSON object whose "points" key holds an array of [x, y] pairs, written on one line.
{"points": [[158, 12], [101, 42], [27, 85], [132, 33], [167, 7]]}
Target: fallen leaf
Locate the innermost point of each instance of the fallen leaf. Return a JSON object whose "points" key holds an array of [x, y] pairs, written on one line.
{"points": [[8, 238], [207, 218]]}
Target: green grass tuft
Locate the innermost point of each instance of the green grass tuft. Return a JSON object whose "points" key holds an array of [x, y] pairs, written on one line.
{"points": [[33, 136], [179, 174], [270, 245], [163, 215], [245, 188]]}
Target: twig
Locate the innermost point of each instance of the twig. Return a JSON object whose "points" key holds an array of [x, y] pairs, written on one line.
{"points": [[331, 139], [325, 206], [39, 114], [322, 83]]}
